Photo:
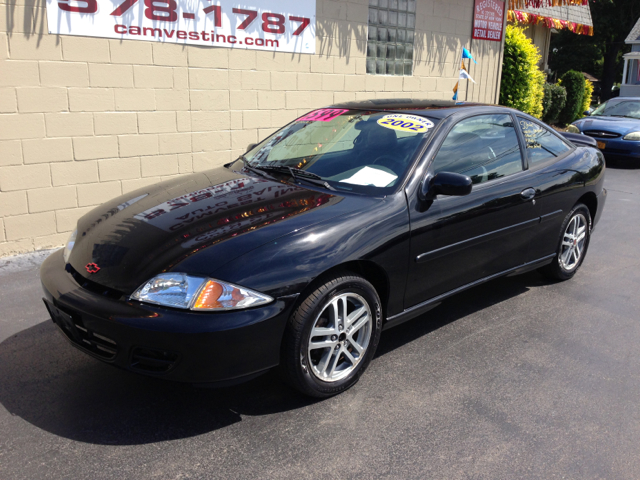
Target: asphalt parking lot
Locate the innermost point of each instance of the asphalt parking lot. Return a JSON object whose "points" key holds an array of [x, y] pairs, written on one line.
{"points": [[518, 378]]}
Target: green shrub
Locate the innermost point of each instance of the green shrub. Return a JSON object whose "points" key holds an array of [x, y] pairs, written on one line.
{"points": [[547, 101], [537, 93], [555, 97], [586, 101], [574, 83], [522, 84]]}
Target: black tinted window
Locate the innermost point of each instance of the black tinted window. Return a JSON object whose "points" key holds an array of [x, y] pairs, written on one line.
{"points": [[542, 144], [484, 147]]}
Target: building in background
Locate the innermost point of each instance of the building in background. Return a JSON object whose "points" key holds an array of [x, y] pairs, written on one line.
{"points": [[540, 23], [631, 74], [113, 101]]}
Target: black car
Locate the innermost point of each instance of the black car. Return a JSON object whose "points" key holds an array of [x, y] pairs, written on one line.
{"points": [[349, 220]]}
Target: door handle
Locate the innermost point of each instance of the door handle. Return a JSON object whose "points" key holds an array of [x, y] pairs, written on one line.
{"points": [[528, 193]]}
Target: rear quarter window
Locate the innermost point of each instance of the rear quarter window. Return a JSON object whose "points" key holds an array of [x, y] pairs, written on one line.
{"points": [[541, 144]]}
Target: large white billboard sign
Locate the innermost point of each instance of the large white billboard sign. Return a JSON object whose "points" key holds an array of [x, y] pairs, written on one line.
{"points": [[271, 25]]}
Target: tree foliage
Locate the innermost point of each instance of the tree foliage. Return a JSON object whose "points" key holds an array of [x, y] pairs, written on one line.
{"points": [[555, 97], [522, 85], [574, 83], [601, 54]]}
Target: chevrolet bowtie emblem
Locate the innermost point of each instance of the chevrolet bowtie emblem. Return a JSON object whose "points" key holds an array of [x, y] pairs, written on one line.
{"points": [[92, 267]]}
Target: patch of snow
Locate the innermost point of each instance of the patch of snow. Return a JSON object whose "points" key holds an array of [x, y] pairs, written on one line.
{"points": [[25, 261]]}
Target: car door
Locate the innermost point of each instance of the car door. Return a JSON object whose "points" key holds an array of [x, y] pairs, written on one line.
{"points": [[456, 241], [550, 157]]}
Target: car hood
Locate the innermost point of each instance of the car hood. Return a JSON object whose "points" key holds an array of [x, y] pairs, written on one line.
{"points": [[619, 125], [195, 223]]}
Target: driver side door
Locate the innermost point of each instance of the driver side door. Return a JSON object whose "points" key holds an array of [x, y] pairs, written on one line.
{"points": [[459, 240]]}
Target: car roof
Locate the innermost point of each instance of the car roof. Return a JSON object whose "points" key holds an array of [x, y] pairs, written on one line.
{"points": [[426, 107], [621, 99]]}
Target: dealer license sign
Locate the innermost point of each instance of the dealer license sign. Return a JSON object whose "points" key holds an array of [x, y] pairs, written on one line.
{"points": [[271, 25], [488, 19]]}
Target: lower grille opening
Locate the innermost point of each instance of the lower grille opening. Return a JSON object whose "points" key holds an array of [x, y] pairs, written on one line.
{"points": [[152, 361], [72, 326]]}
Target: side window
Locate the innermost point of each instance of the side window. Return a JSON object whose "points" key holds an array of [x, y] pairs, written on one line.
{"points": [[542, 144], [484, 147]]}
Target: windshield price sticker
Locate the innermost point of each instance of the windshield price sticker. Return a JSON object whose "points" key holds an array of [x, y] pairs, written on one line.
{"points": [[406, 123], [323, 115], [272, 25]]}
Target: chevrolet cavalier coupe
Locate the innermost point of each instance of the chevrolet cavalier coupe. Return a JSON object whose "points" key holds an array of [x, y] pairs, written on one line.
{"points": [[347, 221]]}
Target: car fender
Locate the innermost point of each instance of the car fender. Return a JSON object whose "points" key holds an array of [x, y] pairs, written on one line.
{"points": [[289, 264]]}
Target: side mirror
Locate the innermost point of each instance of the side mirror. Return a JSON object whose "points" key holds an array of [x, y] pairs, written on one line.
{"points": [[587, 113], [445, 183], [250, 147]]}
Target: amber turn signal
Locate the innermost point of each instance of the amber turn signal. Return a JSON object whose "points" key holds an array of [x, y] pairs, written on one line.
{"points": [[216, 295], [209, 296]]}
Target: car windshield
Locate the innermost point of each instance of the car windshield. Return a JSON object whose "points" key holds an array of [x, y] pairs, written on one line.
{"points": [[619, 108], [361, 151]]}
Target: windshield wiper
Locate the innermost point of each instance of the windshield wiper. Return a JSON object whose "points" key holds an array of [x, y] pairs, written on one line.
{"points": [[297, 174], [255, 170]]}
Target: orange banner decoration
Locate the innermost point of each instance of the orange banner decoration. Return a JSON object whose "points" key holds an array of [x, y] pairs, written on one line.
{"points": [[524, 18], [515, 4]]}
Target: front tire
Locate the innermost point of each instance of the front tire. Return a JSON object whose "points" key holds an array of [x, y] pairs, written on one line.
{"points": [[332, 336], [572, 246]]}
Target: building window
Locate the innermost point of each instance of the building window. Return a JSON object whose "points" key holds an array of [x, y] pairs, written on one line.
{"points": [[392, 27]]}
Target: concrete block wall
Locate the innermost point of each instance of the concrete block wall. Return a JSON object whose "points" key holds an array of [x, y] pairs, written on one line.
{"points": [[83, 120]]}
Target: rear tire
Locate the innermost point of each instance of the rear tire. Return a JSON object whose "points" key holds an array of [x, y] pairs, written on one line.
{"points": [[332, 336], [572, 245]]}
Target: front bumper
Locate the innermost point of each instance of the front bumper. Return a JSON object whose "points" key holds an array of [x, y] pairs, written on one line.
{"points": [[177, 345], [620, 149]]}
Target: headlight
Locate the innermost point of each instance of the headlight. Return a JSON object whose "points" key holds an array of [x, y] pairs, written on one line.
{"points": [[632, 136], [180, 290], [69, 246], [573, 129]]}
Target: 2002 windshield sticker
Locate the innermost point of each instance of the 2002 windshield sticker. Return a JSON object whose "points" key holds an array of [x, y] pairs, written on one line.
{"points": [[406, 123]]}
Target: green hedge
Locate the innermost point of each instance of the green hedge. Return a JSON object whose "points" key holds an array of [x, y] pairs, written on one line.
{"points": [[574, 83], [555, 97], [522, 85], [586, 101]]}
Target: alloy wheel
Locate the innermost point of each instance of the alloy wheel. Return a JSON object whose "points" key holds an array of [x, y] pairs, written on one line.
{"points": [[573, 241], [339, 337]]}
